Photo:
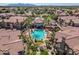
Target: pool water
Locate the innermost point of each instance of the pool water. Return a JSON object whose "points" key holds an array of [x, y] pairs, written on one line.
{"points": [[38, 34]]}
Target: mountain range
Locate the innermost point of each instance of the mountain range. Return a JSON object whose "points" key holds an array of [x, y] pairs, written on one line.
{"points": [[20, 4]]}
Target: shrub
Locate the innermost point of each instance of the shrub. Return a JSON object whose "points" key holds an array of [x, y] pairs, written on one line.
{"points": [[44, 52]]}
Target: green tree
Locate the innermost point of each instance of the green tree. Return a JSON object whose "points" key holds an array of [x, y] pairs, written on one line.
{"points": [[49, 19], [55, 17], [70, 12]]}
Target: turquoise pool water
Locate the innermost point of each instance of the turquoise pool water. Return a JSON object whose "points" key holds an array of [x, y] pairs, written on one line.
{"points": [[38, 34]]}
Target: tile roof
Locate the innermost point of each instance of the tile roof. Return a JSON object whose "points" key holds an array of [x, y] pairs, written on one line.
{"points": [[10, 41], [72, 37], [68, 18], [13, 19]]}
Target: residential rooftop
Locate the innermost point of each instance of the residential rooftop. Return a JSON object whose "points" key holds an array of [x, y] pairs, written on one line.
{"points": [[71, 35], [10, 42], [13, 19], [68, 18]]}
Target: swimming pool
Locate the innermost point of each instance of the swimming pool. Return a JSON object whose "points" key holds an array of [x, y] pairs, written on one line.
{"points": [[38, 34]]}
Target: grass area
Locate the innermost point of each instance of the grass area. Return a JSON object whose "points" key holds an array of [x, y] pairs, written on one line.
{"points": [[44, 52]]}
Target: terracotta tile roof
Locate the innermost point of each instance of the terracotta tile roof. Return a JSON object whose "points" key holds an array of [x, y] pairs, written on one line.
{"points": [[13, 19], [68, 18], [72, 37], [10, 41]]}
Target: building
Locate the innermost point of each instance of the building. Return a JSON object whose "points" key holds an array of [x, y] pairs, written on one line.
{"points": [[67, 19], [12, 22], [71, 40], [38, 22], [10, 43]]}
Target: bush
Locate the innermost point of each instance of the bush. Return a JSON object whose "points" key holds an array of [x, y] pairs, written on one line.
{"points": [[34, 53], [23, 38], [44, 52], [57, 29]]}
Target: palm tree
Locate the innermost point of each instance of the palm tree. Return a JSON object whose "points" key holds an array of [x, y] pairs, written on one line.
{"points": [[25, 41], [54, 42], [29, 21], [31, 46], [53, 35], [49, 19]]}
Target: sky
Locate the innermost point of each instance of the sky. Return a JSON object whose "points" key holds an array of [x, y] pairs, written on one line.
{"points": [[41, 2], [57, 4]]}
